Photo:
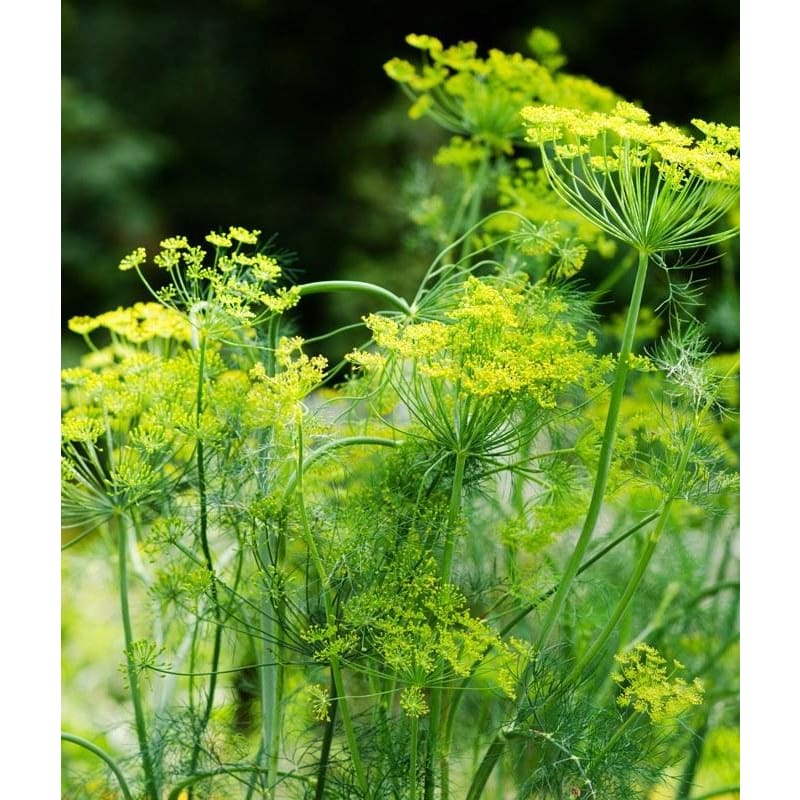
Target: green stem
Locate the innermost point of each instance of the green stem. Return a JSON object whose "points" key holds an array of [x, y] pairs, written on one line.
{"points": [[412, 761], [100, 753], [453, 514], [606, 452], [641, 566], [327, 740], [509, 626], [487, 765], [477, 186], [151, 784], [177, 790], [209, 563], [330, 618], [696, 743], [322, 287], [435, 719], [270, 685]]}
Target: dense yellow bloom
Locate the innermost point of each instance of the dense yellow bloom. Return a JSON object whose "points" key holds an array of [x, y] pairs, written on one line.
{"points": [[219, 239], [278, 399], [174, 243], [652, 186], [481, 97], [647, 687], [499, 340], [138, 324]]}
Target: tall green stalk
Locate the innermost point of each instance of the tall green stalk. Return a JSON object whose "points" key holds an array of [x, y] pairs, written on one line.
{"points": [[435, 718], [606, 453], [209, 563], [497, 746], [152, 788], [412, 759], [271, 687]]}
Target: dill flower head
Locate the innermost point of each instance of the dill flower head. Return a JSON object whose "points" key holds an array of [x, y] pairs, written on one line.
{"points": [[647, 687], [499, 346], [652, 186], [481, 97]]}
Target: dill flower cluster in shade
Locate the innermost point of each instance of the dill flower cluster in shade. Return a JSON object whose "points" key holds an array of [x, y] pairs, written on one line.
{"points": [[500, 340], [652, 186], [481, 97]]}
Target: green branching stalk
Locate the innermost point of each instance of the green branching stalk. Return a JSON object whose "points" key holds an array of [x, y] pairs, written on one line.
{"points": [[647, 553], [100, 753], [488, 763], [151, 782], [179, 788], [509, 626], [330, 618]]}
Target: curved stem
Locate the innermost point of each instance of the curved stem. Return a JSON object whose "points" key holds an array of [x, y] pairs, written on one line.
{"points": [[271, 685], [606, 452], [177, 790], [322, 287], [347, 441], [487, 765], [100, 753]]}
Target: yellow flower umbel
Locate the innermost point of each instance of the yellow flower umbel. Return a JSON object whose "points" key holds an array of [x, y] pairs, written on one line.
{"points": [[223, 295], [500, 347], [481, 97], [646, 686], [651, 186]]}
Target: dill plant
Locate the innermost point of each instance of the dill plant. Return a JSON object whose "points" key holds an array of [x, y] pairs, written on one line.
{"points": [[431, 570]]}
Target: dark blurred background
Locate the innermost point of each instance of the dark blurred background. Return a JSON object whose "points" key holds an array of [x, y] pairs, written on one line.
{"points": [[182, 117]]}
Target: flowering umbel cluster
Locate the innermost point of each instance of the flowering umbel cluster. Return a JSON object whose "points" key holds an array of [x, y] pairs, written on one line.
{"points": [[652, 186]]}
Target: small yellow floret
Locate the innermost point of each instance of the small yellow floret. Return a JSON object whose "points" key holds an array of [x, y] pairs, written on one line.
{"points": [[243, 235], [219, 239], [134, 259]]}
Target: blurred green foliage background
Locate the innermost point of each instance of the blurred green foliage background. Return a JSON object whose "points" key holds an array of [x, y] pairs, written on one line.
{"points": [[182, 117]]}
